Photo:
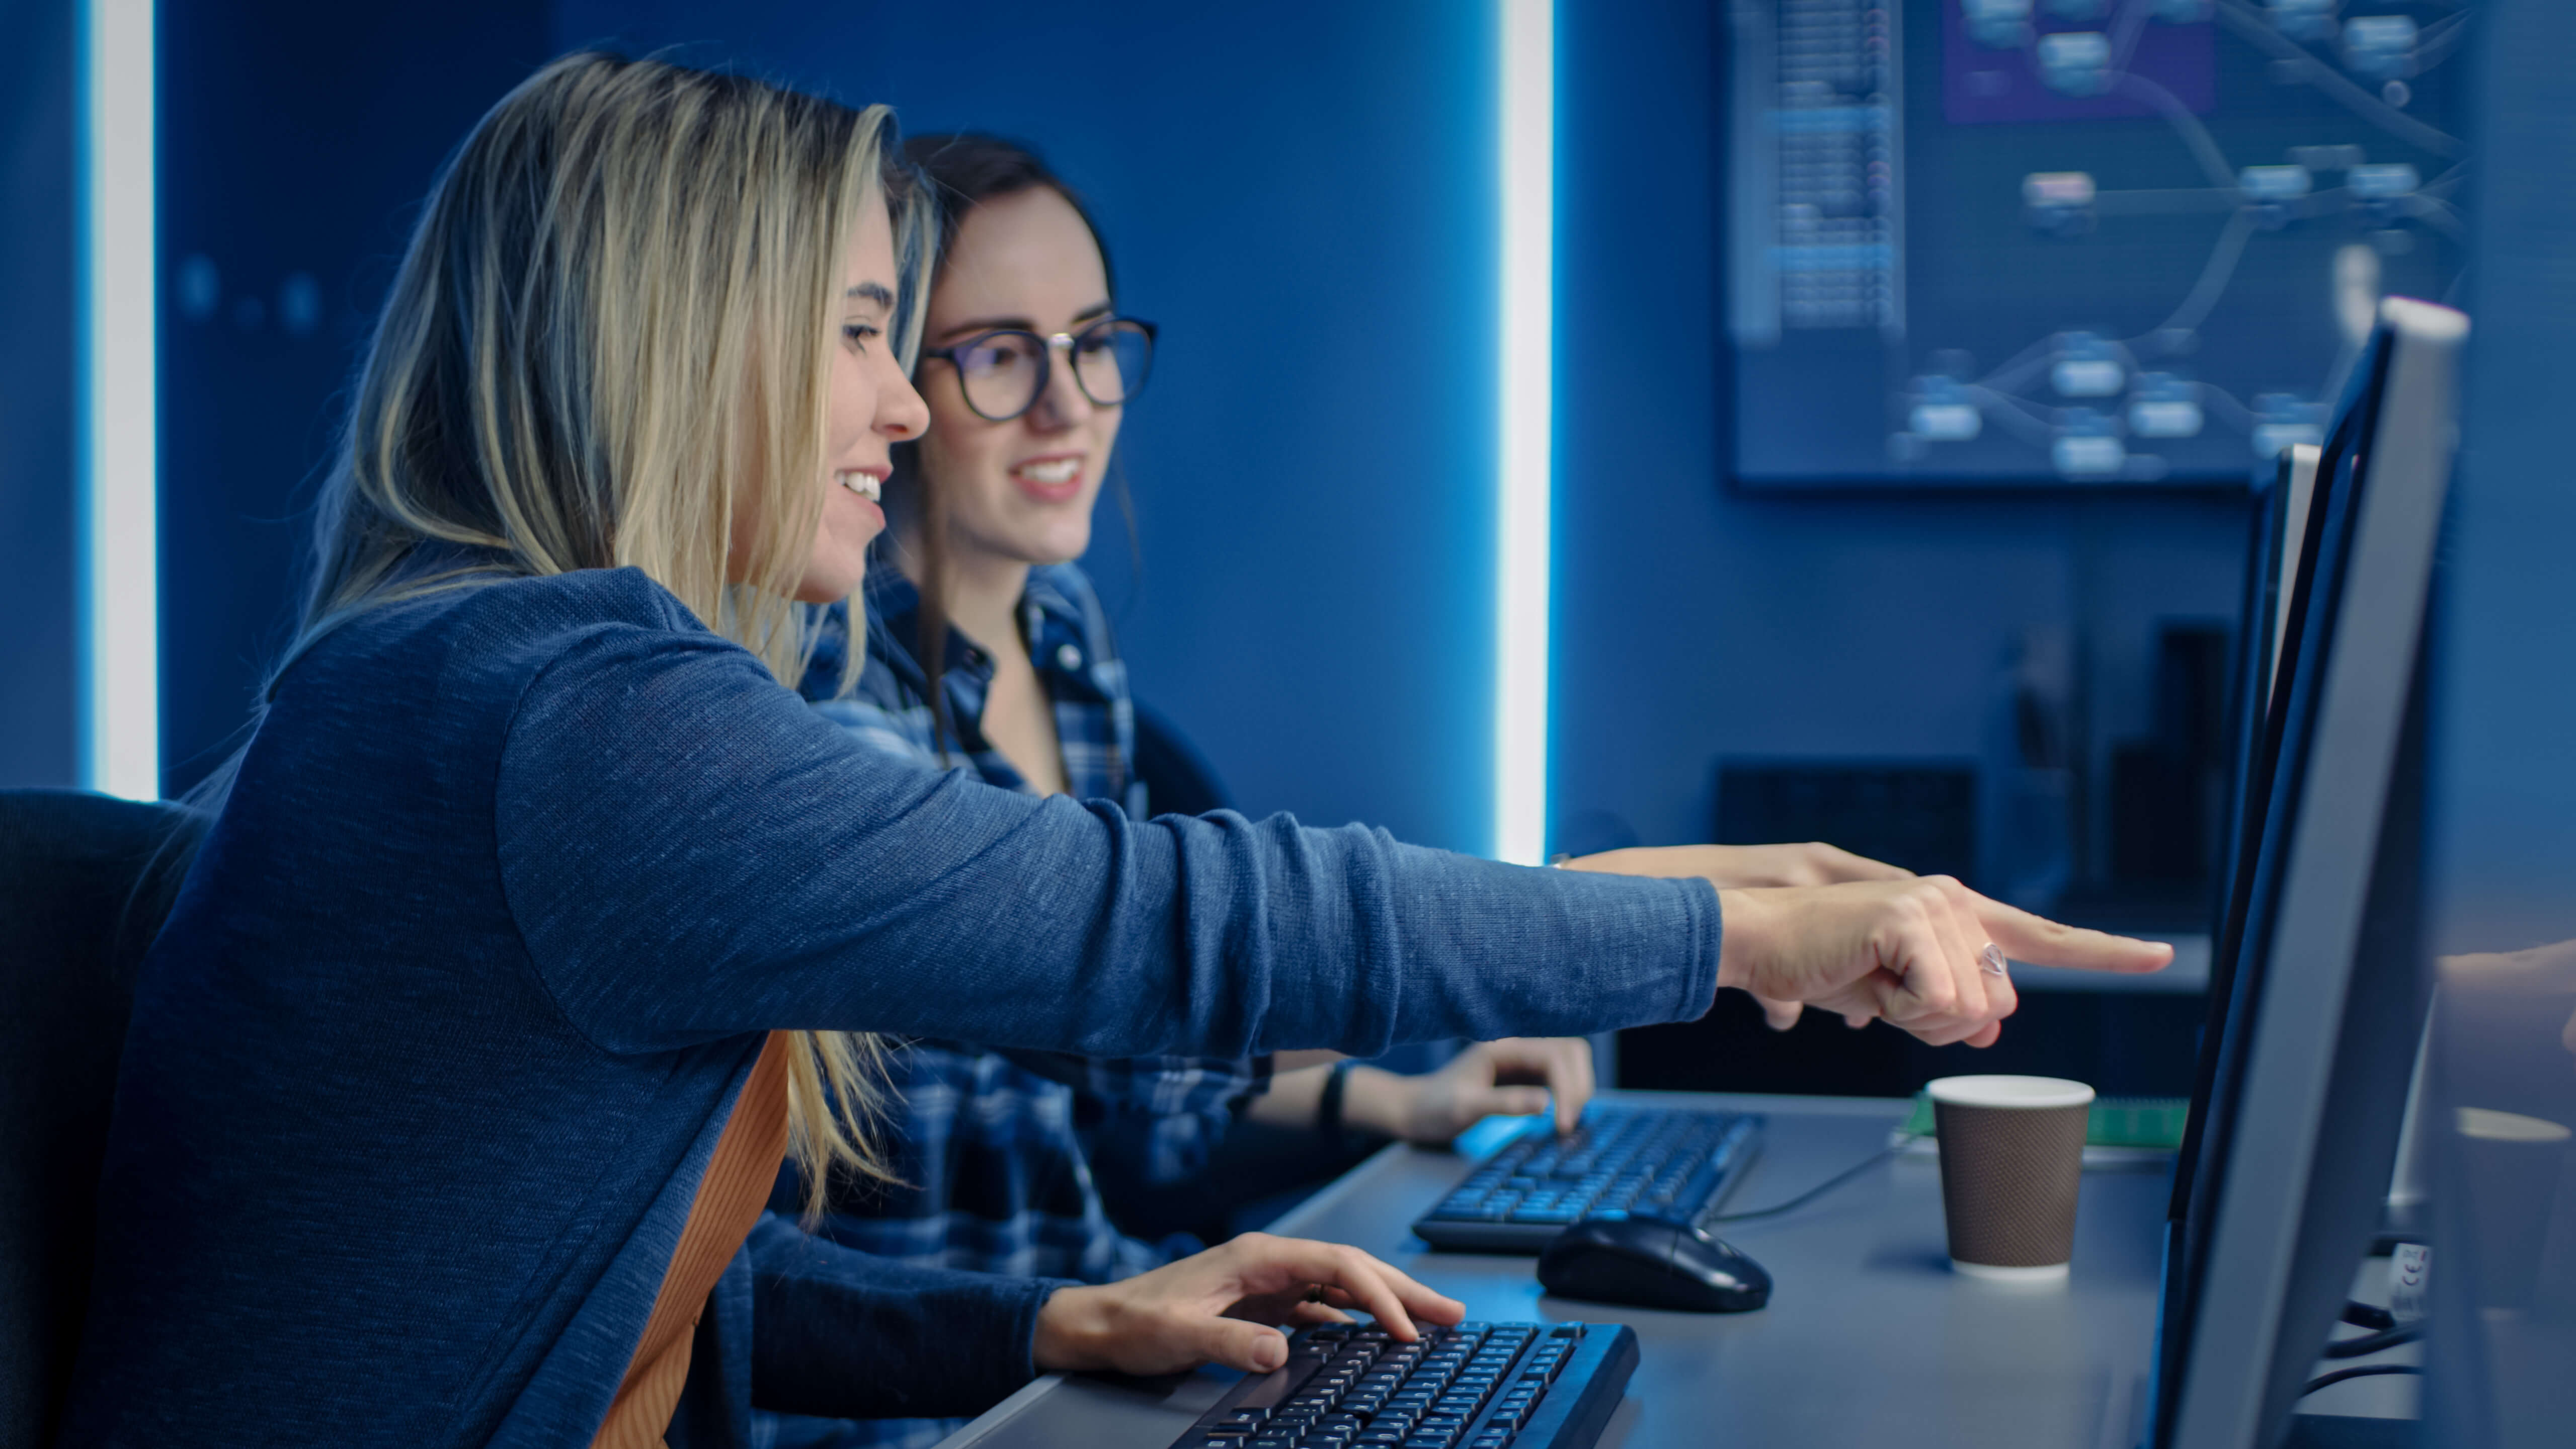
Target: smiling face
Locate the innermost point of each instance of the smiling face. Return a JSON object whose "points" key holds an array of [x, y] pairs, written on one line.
{"points": [[1019, 491], [872, 406]]}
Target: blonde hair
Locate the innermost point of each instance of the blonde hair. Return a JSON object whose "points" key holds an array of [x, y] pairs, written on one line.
{"points": [[610, 331]]}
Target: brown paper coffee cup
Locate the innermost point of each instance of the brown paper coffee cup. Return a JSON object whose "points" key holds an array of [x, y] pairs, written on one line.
{"points": [[2012, 1157], [2510, 1165]]}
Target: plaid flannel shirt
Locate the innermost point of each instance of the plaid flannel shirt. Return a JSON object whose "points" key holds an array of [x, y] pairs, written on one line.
{"points": [[991, 1149]]}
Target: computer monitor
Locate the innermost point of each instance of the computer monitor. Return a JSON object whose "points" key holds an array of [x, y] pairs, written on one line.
{"points": [[2296, 487], [2275, 590], [2294, 1128]]}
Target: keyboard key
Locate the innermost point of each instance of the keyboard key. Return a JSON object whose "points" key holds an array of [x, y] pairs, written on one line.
{"points": [[1491, 1376]]}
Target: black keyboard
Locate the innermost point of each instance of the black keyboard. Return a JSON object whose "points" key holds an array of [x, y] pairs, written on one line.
{"points": [[1475, 1386], [1671, 1161]]}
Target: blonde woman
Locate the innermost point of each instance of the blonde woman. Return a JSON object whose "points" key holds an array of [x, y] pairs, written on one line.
{"points": [[532, 931]]}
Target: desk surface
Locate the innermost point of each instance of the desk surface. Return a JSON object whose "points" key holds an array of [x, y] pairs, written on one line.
{"points": [[1869, 1337]]}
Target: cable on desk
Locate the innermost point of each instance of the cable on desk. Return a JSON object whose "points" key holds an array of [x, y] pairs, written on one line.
{"points": [[1820, 1189], [2365, 1371], [2370, 1316], [2374, 1342]]}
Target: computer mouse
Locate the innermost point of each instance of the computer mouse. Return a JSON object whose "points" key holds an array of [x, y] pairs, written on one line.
{"points": [[1651, 1262]]}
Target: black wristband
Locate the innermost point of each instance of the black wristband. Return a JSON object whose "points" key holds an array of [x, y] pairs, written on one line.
{"points": [[1328, 1107]]}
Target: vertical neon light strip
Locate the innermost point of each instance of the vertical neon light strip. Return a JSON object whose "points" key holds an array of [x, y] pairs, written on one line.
{"points": [[1526, 427], [120, 447]]}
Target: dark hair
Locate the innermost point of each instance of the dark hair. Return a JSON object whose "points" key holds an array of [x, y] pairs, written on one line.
{"points": [[964, 169], [960, 171]]}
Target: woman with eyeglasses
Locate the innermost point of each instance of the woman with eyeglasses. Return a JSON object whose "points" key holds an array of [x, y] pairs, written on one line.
{"points": [[986, 646], [539, 920], [1027, 366]]}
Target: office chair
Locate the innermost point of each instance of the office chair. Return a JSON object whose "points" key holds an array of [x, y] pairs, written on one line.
{"points": [[1178, 779], [85, 881]]}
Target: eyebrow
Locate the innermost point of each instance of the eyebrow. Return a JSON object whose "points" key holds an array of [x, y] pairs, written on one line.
{"points": [[1092, 313], [872, 292]]}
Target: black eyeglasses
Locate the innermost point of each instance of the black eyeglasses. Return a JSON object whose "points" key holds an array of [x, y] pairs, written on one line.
{"points": [[1004, 372]]}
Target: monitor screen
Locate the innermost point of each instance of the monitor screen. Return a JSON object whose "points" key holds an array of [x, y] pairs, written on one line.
{"points": [[2071, 242], [2295, 1127]]}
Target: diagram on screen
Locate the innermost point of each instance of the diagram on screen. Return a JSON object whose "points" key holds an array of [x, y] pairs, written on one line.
{"points": [[2073, 242]]}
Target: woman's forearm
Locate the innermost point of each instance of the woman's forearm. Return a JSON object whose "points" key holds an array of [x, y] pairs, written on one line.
{"points": [[1373, 1100], [690, 853], [1292, 1098]]}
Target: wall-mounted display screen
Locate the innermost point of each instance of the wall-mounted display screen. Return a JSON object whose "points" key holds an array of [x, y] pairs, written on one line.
{"points": [[2072, 242]]}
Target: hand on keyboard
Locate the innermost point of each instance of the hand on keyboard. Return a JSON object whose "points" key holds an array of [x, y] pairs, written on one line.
{"points": [[1219, 1306], [1515, 1077]]}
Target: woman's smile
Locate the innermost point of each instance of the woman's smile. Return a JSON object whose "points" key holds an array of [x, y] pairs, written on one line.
{"points": [[1050, 477]]}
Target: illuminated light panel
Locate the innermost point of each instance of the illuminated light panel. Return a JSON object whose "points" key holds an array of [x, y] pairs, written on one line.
{"points": [[119, 437], [1526, 397]]}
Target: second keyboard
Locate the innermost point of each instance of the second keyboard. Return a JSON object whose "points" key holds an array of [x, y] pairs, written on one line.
{"points": [[1673, 1162]]}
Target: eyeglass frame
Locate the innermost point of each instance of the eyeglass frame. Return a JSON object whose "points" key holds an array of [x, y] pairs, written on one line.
{"points": [[1049, 344]]}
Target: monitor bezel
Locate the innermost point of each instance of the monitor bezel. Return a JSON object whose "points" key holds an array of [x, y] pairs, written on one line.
{"points": [[2326, 975]]}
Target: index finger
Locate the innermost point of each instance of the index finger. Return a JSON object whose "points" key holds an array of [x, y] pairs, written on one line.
{"points": [[1569, 1081], [1843, 865], [1377, 1288], [2043, 942]]}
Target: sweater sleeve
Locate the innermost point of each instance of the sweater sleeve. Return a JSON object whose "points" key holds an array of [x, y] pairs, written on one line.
{"points": [[844, 1335], [690, 852]]}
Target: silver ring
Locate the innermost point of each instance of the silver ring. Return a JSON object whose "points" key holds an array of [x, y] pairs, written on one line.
{"points": [[1992, 960]]}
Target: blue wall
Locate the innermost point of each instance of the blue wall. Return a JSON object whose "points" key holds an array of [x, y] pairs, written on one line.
{"points": [[1312, 466], [1301, 196], [38, 708], [295, 141], [1696, 621]]}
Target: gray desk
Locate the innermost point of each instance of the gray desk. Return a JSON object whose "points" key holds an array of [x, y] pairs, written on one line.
{"points": [[1869, 1339]]}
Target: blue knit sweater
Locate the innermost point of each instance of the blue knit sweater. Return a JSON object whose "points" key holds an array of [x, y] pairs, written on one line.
{"points": [[428, 1062]]}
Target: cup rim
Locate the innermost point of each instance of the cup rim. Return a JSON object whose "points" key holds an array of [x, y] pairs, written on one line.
{"points": [[2026, 1094], [2485, 1124]]}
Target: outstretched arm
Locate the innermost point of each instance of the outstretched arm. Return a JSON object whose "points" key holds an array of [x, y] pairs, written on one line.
{"points": [[691, 853]]}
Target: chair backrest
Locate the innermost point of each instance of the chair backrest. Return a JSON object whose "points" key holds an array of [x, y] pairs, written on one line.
{"points": [[1178, 779], [85, 881]]}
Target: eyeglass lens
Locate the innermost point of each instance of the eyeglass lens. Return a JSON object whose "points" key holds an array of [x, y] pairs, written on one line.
{"points": [[1004, 372]]}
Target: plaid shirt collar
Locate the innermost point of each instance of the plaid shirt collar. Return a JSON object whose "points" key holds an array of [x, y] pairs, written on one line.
{"points": [[1069, 646]]}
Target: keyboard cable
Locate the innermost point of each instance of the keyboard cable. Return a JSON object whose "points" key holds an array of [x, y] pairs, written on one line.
{"points": [[1894, 1146], [2367, 1370]]}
